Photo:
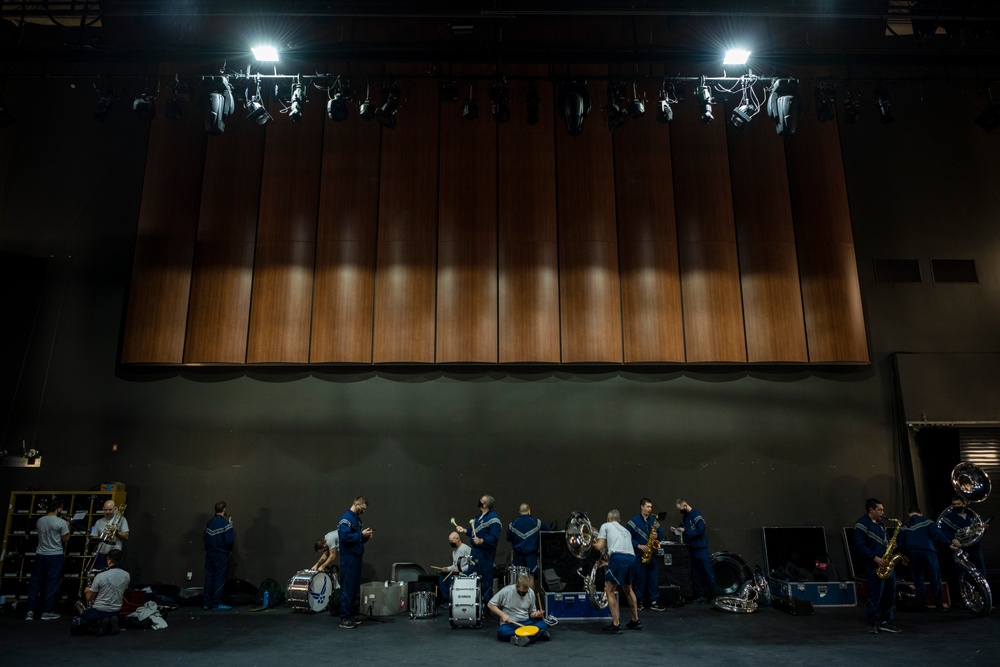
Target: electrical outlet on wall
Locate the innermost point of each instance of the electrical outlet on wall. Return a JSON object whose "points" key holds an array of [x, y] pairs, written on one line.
{"points": [[189, 576]]}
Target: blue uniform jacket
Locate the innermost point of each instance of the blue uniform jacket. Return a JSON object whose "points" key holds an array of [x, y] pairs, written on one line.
{"points": [[523, 533], [695, 531], [952, 521], [639, 529], [219, 536], [920, 534], [349, 528], [487, 528], [869, 538]]}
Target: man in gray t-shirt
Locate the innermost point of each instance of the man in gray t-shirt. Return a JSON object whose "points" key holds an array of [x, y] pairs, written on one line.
{"points": [[515, 606], [105, 596], [46, 570]]}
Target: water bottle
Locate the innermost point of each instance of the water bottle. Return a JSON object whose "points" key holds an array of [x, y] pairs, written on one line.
{"points": [[267, 595]]}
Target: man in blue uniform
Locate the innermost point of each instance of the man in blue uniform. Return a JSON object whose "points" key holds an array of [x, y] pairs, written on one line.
{"points": [[647, 575], [485, 536], [871, 541], [956, 519], [219, 540], [696, 536], [353, 536], [917, 540], [523, 534]]}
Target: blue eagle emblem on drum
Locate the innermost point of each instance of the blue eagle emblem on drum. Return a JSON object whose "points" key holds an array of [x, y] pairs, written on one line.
{"points": [[319, 597]]}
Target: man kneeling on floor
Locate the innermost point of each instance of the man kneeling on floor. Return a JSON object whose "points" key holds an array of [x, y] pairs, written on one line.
{"points": [[515, 606], [104, 599]]}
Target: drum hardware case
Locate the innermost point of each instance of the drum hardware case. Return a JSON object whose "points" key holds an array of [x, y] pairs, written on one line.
{"points": [[810, 543], [573, 607], [675, 567], [792, 606], [384, 598], [467, 607]]}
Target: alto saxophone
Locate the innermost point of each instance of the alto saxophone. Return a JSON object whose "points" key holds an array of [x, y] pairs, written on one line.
{"points": [[652, 544], [891, 556]]}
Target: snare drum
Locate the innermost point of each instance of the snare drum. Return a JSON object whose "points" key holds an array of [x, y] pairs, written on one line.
{"points": [[310, 590], [423, 605], [513, 572]]}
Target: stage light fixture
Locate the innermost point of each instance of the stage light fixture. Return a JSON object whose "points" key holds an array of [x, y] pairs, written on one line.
{"points": [[471, 110], [449, 91], [705, 101], [217, 103], [614, 110], [884, 106], [851, 109], [532, 101], [783, 106], [736, 57], [500, 99], [386, 114], [742, 114], [257, 112], [296, 102], [182, 93], [265, 54], [826, 97], [366, 109], [143, 107], [574, 105], [106, 98], [340, 95], [638, 106], [668, 96]]}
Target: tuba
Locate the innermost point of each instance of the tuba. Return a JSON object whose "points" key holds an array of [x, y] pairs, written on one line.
{"points": [[973, 484], [579, 541], [753, 594], [891, 555]]}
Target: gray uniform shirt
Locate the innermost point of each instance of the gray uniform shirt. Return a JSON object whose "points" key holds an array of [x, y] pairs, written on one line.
{"points": [[50, 531], [98, 530], [518, 607], [110, 585]]}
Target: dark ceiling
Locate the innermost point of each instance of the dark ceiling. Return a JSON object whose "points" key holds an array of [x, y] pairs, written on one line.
{"points": [[781, 33]]}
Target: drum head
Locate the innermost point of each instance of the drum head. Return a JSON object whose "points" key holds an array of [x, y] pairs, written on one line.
{"points": [[320, 590], [526, 631]]}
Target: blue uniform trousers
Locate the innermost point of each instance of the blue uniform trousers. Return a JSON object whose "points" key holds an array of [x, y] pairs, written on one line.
{"points": [[485, 561], [702, 573], [216, 571], [647, 580], [46, 571], [506, 630], [350, 584], [923, 564], [881, 596]]}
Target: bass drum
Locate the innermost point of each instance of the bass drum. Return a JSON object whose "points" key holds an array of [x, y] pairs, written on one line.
{"points": [[466, 602], [731, 572], [310, 590]]}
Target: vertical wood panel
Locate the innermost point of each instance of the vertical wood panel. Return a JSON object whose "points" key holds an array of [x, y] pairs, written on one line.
{"points": [[769, 274], [831, 293], [344, 291], [286, 237], [467, 234], [407, 221], [156, 315], [710, 278], [528, 250], [219, 312], [652, 321], [590, 295]]}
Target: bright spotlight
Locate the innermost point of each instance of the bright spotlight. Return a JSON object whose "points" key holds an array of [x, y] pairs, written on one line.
{"points": [[736, 57], [265, 54]]}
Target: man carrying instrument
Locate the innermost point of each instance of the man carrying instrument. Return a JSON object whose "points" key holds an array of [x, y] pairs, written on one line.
{"points": [[46, 570], [485, 536], [917, 540], [521, 622], [646, 537], [219, 539], [871, 542], [353, 536], [614, 538], [104, 596], [106, 533], [523, 535], [955, 519], [696, 536]]}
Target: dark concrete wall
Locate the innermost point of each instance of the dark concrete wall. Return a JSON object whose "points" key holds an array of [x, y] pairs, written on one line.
{"points": [[289, 451]]}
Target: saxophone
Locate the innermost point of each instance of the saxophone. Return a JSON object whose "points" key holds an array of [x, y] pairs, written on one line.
{"points": [[891, 556], [652, 544]]}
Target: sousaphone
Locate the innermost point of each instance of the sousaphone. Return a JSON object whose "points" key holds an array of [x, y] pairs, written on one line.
{"points": [[579, 540], [973, 484]]}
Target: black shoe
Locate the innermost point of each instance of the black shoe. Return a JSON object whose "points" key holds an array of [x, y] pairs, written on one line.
{"points": [[613, 629], [656, 606], [359, 619], [640, 606], [114, 626], [886, 626], [104, 627], [348, 623], [634, 625], [872, 629]]}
